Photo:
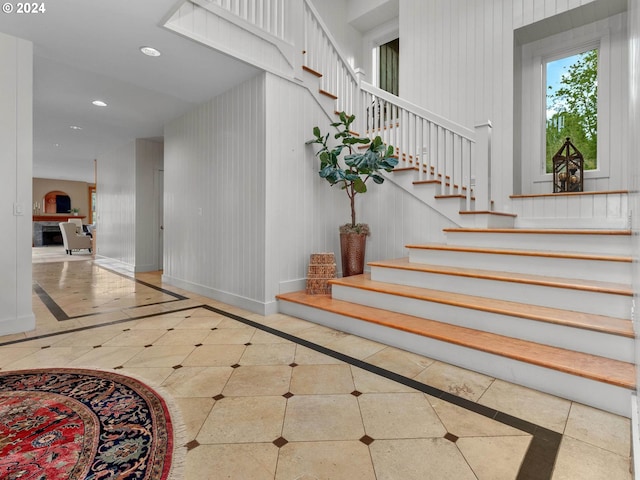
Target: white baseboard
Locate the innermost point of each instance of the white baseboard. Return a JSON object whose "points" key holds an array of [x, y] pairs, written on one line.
{"points": [[255, 306], [635, 437]]}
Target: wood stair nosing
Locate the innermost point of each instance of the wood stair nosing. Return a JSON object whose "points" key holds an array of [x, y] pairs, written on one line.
{"points": [[525, 253], [580, 320], [613, 372], [542, 231], [528, 279]]}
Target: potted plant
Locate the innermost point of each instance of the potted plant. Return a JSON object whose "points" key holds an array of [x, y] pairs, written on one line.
{"points": [[75, 211], [351, 167]]}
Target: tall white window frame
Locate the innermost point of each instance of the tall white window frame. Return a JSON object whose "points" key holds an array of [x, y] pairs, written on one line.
{"points": [[533, 107]]}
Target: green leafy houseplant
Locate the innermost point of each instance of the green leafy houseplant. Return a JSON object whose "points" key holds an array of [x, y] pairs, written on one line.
{"points": [[350, 166], [359, 166]]}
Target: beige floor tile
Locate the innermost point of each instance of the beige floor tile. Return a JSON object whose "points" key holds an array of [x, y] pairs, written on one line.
{"points": [[598, 428], [325, 461], [321, 379], [356, 347], [269, 354], [419, 459], [106, 357], [197, 381], [50, 357], [288, 324], [464, 423], [135, 338], [85, 338], [579, 460], [193, 413], [157, 323], [228, 336], [161, 356], [399, 415], [199, 322], [536, 407], [400, 361], [367, 382], [321, 335], [256, 380], [215, 356], [183, 337], [215, 462], [261, 336], [307, 356], [153, 376], [9, 355], [458, 381], [322, 417], [244, 420], [494, 458]]}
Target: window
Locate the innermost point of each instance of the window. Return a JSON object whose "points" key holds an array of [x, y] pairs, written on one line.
{"points": [[571, 86], [389, 63], [92, 204]]}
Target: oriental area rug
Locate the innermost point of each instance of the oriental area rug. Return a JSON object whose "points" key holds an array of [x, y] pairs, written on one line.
{"points": [[82, 424]]}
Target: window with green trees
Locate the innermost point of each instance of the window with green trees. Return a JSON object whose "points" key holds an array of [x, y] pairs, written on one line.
{"points": [[572, 106]]}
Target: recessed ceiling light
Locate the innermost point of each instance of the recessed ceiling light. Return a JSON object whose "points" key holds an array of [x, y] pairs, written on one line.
{"points": [[150, 51], [99, 103], [56, 144], [75, 127]]}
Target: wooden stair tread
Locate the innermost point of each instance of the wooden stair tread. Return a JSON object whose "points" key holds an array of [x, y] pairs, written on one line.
{"points": [[568, 283], [593, 367], [530, 253], [587, 321], [545, 231]]}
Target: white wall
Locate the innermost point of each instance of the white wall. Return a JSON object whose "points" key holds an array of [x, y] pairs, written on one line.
{"points": [[215, 197], [116, 205], [149, 162], [16, 157], [457, 59], [242, 159]]}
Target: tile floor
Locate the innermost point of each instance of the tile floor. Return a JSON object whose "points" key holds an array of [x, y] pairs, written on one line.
{"points": [[280, 398]]}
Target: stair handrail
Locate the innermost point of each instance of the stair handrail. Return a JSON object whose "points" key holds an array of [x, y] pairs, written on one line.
{"points": [[322, 54]]}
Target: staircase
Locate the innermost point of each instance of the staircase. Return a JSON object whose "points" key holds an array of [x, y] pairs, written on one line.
{"points": [[514, 310], [532, 296]]}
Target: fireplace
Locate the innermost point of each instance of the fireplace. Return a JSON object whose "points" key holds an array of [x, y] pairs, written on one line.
{"points": [[51, 235]]}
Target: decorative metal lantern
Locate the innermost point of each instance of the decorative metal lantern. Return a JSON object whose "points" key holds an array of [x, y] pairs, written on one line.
{"points": [[568, 169]]}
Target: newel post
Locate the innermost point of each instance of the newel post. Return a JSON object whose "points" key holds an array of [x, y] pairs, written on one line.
{"points": [[482, 160]]}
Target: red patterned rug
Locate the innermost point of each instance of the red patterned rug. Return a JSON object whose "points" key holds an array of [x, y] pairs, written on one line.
{"points": [[82, 424]]}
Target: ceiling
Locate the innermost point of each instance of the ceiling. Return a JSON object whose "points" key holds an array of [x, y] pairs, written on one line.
{"points": [[86, 50]]}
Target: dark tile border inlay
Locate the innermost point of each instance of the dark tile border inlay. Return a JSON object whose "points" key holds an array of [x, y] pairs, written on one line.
{"points": [[537, 463]]}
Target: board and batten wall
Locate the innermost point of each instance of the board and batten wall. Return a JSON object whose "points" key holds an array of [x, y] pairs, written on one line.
{"points": [[116, 205], [245, 207], [457, 60], [127, 205], [214, 197], [16, 158]]}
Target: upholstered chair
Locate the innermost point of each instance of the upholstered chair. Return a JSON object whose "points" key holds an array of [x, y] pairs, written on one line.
{"points": [[72, 239]]}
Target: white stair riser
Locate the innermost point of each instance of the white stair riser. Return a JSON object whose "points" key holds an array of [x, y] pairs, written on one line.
{"points": [[596, 394], [605, 271], [564, 298], [591, 243], [615, 223], [587, 341]]}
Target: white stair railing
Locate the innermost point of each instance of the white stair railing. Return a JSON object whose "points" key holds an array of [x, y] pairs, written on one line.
{"points": [[443, 152]]}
